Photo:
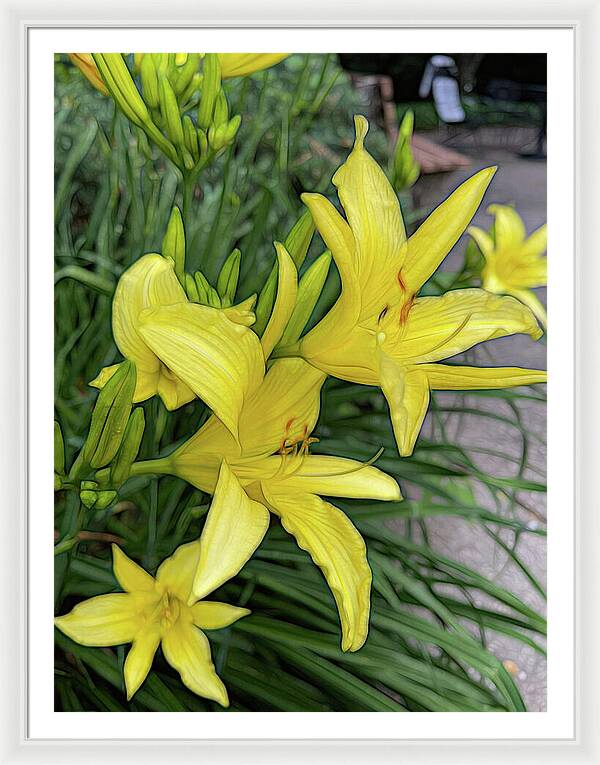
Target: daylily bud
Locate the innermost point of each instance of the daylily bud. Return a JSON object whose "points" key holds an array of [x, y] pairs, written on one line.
{"points": [[59, 450], [149, 81], [191, 289], [110, 416], [297, 244], [221, 113], [130, 446], [191, 137], [405, 169], [202, 143], [228, 278], [232, 128], [186, 72], [309, 291], [211, 85], [173, 245], [88, 494], [211, 296], [170, 111], [104, 499]]}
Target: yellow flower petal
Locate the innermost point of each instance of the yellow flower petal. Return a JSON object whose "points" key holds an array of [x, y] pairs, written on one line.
{"points": [[454, 377], [86, 65], [140, 657], [102, 621], [535, 305], [536, 243], [337, 549], [187, 650], [407, 394], [242, 64], [129, 575], [483, 240], [219, 360], [176, 573], [338, 238], [149, 283], [287, 289], [340, 477], [440, 327], [283, 409], [212, 615], [373, 212], [234, 528], [508, 227], [436, 236]]}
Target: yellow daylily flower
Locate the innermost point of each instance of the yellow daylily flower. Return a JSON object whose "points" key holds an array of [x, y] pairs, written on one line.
{"points": [[232, 65], [87, 66], [153, 611], [182, 350], [243, 64], [514, 262], [379, 332], [271, 470]]}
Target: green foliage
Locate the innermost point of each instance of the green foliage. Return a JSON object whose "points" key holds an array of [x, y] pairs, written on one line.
{"points": [[427, 646]]}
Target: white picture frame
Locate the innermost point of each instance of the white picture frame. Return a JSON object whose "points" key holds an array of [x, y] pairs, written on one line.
{"points": [[21, 384]]}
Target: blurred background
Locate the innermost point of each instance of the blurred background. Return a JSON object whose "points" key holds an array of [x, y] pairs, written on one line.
{"points": [[112, 202]]}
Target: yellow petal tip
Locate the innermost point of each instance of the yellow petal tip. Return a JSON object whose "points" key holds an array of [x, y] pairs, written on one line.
{"points": [[361, 126]]}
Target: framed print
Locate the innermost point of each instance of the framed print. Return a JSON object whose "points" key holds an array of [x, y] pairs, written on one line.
{"points": [[297, 343]]}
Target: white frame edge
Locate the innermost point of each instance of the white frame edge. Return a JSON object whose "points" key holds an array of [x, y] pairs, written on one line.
{"points": [[16, 17]]}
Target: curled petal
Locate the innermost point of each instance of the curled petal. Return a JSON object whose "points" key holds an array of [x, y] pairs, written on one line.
{"points": [[440, 327], [219, 360], [337, 549]]}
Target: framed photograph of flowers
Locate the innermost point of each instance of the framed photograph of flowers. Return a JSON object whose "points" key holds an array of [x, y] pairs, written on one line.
{"points": [[306, 316]]}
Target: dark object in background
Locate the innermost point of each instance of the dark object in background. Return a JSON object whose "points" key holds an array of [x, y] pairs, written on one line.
{"points": [[477, 71]]}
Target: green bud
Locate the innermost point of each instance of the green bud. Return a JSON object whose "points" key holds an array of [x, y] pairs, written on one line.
{"points": [[191, 289], [121, 86], [173, 245], [233, 127], [221, 113], [405, 170], [59, 450], [210, 293], [88, 498], [104, 499], [130, 446], [186, 73], [188, 160], [297, 244], [228, 278], [309, 291], [110, 416], [191, 137], [149, 81], [211, 85], [193, 87], [170, 111], [202, 143]]}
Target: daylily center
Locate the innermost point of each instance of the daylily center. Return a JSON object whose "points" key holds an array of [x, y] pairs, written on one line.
{"points": [[168, 610]]}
